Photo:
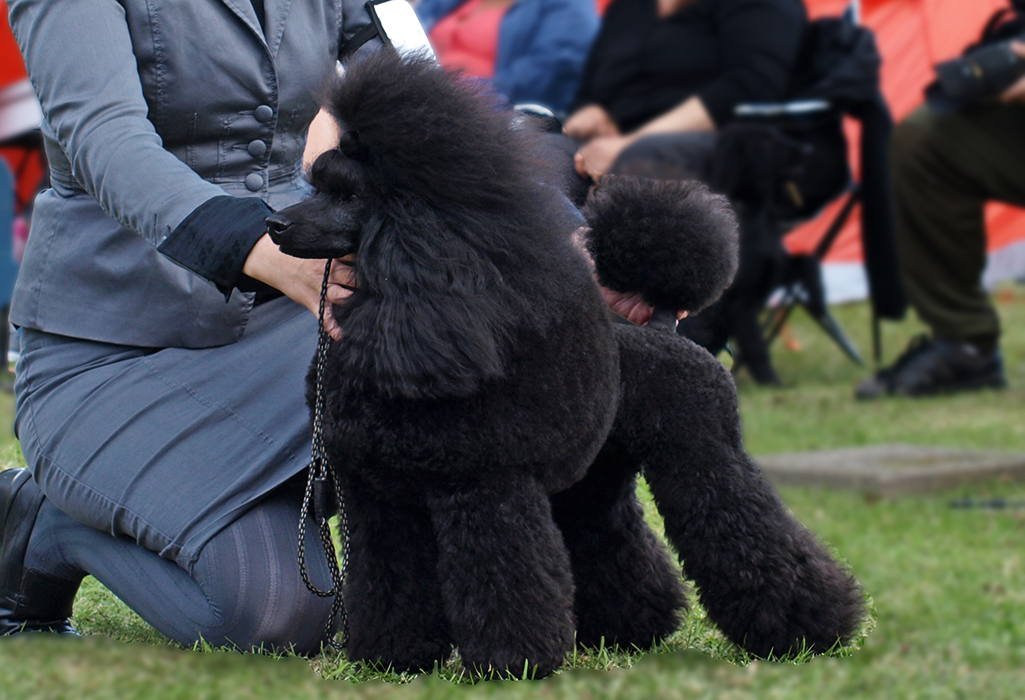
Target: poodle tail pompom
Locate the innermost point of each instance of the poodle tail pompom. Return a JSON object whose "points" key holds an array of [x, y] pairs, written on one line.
{"points": [[673, 241]]}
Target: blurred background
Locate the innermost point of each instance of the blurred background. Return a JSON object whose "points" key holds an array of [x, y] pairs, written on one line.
{"points": [[944, 564]]}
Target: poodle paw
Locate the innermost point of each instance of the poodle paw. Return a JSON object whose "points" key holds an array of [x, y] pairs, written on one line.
{"points": [[512, 665], [419, 657], [826, 606]]}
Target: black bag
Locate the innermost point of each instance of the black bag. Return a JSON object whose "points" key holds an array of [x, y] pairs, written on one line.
{"points": [[1005, 24], [985, 69], [790, 167]]}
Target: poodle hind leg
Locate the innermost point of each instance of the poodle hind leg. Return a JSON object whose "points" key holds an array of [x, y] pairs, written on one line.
{"points": [[764, 579], [396, 615], [505, 577], [627, 591]]}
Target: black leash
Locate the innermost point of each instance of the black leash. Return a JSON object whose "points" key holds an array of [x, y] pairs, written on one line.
{"points": [[320, 484]]}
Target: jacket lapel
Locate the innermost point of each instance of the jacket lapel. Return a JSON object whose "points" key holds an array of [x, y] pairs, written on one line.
{"points": [[244, 10], [277, 16]]}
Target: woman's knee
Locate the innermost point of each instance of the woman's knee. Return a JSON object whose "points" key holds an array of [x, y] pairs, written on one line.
{"points": [[296, 622], [251, 573]]}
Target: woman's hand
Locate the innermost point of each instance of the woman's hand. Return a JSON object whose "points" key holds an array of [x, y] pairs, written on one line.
{"points": [[590, 122], [596, 157], [323, 135], [300, 279], [632, 307]]}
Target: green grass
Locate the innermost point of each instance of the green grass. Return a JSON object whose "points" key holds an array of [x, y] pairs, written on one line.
{"points": [[947, 585]]}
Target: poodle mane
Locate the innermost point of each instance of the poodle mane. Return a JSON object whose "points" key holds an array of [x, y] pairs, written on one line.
{"points": [[455, 209]]}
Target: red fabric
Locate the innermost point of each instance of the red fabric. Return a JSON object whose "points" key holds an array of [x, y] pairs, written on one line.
{"points": [[468, 38], [12, 68], [913, 35], [27, 165]]}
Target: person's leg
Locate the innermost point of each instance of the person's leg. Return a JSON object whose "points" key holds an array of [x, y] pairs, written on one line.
{"points": [[944, 171], [245, 590], [945, 168], [680, 156], [167, 448], [556, 156]]}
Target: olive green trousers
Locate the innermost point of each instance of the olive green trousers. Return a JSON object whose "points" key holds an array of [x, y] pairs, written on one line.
{"points": [[945, 168]]}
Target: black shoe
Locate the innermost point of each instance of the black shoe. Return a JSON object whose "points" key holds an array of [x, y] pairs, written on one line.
{"points": [[939, 366], [30, 601]]}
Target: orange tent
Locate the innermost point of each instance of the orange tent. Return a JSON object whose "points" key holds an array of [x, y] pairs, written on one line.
{"points": [[912, 35]]}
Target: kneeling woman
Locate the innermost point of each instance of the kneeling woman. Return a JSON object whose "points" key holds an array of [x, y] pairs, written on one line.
{"points": [[160, 400]]}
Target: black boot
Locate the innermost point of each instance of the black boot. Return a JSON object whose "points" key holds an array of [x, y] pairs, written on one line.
{"points": [[30, 600]]}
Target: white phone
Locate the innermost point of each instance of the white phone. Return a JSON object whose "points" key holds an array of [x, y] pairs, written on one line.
{"points": [[399, 26]]}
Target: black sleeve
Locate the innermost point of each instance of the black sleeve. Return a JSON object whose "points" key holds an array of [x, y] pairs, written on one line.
{"points": [[216, 238], [608, 33], [585, 90], [759, 42]]}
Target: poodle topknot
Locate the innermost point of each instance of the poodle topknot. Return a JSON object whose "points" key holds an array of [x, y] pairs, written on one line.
{"points": [[673, 241], [444, 136]]}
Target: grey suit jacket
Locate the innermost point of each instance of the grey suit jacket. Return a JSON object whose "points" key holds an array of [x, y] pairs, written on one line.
{"points": [[150, 110]]}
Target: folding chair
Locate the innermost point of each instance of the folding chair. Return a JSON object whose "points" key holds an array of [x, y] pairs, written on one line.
{"points": [[780, 163]]}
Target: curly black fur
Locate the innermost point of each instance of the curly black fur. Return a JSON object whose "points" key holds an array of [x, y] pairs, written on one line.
{"points": [[673, 241], [487, 423]]}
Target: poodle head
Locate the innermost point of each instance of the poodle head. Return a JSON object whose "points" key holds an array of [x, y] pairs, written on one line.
{"points": [[329, 224], [415, 137], [429, 189], [673, 241]]}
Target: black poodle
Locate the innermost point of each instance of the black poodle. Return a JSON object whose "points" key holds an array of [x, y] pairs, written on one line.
{"points": [[487, 421]]}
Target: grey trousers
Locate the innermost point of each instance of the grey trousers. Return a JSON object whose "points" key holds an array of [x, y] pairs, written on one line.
{"points": [[681, 156], [162, 456], [945, 168]]}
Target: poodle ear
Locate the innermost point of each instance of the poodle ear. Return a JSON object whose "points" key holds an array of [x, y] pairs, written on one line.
{"points": [[428, 319], [673, 241]]}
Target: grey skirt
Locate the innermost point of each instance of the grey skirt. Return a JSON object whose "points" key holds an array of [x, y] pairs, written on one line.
{"points": [[167, 446]]}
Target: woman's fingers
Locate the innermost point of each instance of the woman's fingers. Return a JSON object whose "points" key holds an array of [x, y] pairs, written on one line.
{"points": [[340, 283]]}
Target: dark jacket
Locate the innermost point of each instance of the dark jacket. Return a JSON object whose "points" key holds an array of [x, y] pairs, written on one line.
{"points": [[724, 51]]}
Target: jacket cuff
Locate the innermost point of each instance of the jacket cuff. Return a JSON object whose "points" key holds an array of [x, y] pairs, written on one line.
{"points": [[216, 238]]}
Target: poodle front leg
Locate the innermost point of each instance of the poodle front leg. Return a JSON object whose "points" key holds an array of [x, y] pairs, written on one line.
{"points": [[627, 591], [396, 615], [505, 577]]}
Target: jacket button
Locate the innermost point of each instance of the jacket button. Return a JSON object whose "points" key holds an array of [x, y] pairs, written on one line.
{"points": [[263, 114], [257, 148], [254, 182]]}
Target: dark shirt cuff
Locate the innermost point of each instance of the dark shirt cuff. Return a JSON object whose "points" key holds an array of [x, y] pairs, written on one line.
{"points": [[216, 238], [719, 99]]}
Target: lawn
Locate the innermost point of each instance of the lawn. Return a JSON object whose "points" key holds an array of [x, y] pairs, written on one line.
{"points": [[947, 584]]}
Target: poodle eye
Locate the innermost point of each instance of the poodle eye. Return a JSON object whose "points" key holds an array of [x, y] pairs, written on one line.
{"points": [[353, 198]]}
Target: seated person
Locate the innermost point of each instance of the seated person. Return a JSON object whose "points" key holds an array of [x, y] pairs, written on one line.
{"points": [[663, 75], [533, 51], [945, 168]]}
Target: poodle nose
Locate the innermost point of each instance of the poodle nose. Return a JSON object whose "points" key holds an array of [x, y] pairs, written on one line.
{"points": [[277, 225]]}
